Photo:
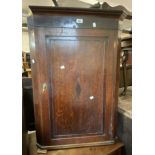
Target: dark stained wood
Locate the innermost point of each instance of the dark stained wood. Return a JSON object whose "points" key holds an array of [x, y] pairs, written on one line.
{"points": [[75, 80], [82, 79], [114, 149], [67, 21], [110, 13]]}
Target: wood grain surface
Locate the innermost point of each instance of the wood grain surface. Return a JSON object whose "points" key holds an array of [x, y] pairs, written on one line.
{"points": [[75, 80], [115, 149]]}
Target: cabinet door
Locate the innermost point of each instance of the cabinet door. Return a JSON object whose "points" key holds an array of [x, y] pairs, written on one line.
{"points": [[76, 72], [79, 68]]}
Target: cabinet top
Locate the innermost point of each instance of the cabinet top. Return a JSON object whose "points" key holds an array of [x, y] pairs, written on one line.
{"points": [[102, 12]]}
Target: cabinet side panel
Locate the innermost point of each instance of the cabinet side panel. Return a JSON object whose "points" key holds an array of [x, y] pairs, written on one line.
{"points": [[116, 70], [35, 84], [43, 85], [112, 81]]}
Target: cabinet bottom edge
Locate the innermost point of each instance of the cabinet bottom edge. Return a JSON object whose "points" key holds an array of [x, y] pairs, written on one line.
{"points": [[55, 147]]}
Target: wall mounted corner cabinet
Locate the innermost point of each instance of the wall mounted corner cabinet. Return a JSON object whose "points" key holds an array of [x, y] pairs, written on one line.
{"points": [[75, 68]]}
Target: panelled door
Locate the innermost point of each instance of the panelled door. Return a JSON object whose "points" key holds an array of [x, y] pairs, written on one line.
{"points": [[76, 79]]}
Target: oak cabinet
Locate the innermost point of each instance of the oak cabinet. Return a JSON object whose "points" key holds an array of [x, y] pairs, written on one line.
{"points": [[75, 67]]}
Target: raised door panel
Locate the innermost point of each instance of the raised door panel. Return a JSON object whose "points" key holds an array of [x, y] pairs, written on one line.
{"points": [[76, 85]]}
